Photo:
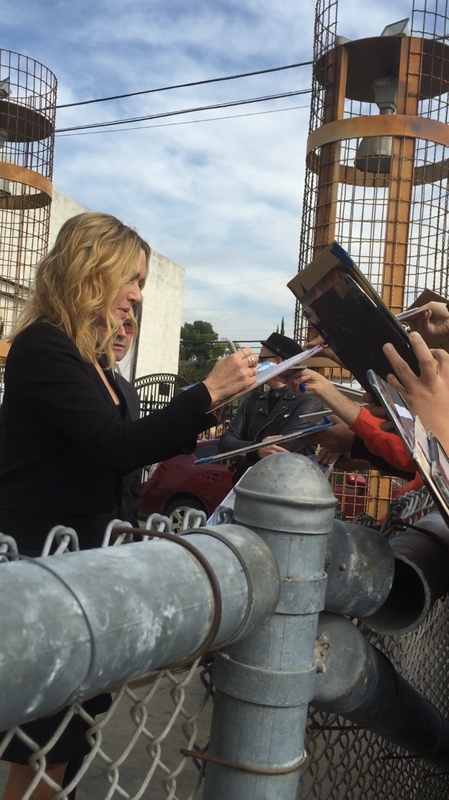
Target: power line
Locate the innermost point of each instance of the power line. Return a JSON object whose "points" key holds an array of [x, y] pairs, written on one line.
{"points": [[196, 109], [186, 85], [184, 122]]}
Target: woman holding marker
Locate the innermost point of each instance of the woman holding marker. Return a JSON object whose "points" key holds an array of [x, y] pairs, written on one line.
{"points": [[64, 440]]}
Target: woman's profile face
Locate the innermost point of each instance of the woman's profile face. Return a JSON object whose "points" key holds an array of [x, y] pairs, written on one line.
{"points": [[130, 293]]}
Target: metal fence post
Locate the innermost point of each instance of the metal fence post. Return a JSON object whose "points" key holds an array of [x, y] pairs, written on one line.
{"points": [[358, 681], [264, 684], [74, 624]]}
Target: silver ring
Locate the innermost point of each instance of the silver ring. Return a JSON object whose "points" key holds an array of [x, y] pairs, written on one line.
{"points": [[250, 361]]}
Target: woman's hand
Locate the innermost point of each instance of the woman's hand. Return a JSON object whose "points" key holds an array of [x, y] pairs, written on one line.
{"points": [[231, 375], [428, 395]]}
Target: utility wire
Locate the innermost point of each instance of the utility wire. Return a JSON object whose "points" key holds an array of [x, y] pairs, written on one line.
{"points": [[185, 85], [184, 122], [164, 114]]}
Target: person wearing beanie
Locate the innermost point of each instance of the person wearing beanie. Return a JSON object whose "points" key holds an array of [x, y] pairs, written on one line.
{"points": [[265, 414]]}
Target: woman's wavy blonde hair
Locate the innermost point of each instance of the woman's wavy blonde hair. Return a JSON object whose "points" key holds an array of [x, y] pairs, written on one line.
{"points": [[94, 255]]}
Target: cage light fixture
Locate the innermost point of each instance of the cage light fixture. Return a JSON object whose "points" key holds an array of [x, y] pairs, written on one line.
{"points": [[374, 152]]}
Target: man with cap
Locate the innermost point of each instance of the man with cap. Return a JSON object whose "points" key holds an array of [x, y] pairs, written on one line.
{"points": [[264, 415]]}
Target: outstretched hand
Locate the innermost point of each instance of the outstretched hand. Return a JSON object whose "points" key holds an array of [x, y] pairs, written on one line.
{"points": [[310, 381], [329, 353], [428, 395], [433, 324], [269, 449]]}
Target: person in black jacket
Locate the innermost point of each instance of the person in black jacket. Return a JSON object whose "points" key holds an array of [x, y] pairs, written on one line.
{"points": [[266, 414], [131, 484], [65, 439]]}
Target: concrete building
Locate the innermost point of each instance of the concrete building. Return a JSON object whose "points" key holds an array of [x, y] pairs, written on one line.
{"points": [[158, 350]]}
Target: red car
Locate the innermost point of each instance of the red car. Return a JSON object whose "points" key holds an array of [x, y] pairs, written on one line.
{"points": [[176, 485]]}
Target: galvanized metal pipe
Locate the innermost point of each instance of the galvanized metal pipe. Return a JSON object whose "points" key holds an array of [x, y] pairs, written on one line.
{"points": [[360, 569], [421, 576], [358, 681], [264, 685], [74, 624]]}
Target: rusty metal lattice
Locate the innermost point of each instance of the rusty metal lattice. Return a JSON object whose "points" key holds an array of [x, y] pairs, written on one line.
{"points": [[390, 213], [27, 122]]}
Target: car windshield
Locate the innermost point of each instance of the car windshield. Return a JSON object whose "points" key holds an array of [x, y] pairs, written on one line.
{"points": [[207, 449]]}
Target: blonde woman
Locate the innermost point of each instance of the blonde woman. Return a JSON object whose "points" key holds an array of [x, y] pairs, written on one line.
{"points": [[65, 435]]}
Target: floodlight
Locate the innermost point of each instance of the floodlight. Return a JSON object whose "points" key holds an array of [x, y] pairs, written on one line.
{"points": [[339, 40], [400, 28], [374, 152]]}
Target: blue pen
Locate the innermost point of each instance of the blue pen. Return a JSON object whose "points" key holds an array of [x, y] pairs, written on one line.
{"points": [[326, 420]]}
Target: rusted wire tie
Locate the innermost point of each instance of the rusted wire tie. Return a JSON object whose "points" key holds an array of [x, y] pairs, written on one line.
{"points": [[391, 757], [215, 586], [245, 767], [427, 775], [246, 572]]}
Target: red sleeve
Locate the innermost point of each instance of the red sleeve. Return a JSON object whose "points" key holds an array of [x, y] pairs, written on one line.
{"points": [[382, 443]]}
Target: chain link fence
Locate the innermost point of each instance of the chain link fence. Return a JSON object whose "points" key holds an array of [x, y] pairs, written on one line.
{"points": [[142, 747]]}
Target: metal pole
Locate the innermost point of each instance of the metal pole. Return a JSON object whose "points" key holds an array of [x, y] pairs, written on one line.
{"points": [[360, 569], [264, 685], [74, 624], [421, 576], [358, 681]]}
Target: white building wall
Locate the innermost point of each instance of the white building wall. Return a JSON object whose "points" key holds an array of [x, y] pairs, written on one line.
{"points": [[161, 317], [162, 306]]}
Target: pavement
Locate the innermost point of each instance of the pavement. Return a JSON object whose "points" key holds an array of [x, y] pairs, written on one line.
{"points": [[120, 729]]}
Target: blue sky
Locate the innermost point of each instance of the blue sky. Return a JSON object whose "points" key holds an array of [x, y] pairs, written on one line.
{"points": [[223, 197]]}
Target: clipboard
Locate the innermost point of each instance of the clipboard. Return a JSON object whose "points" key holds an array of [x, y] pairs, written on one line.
{"points": [[433, 466], [265, 373], [426, 450], [347, 312], [257, 445], [397, 409]]}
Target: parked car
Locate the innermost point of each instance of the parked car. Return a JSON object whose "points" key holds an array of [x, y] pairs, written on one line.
{"points": [[176, 485]]}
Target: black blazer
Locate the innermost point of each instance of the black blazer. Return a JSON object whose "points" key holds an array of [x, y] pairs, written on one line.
{"points": [[63, 444]]}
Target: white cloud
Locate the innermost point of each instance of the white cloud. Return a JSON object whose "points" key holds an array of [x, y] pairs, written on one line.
{"points": [[221, 198]]}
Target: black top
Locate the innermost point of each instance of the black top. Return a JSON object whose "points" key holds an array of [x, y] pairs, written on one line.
{"points": [[62, 440]]}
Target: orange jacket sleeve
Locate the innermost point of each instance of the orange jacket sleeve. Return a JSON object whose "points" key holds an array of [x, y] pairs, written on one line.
{"points": [[382, 443]]}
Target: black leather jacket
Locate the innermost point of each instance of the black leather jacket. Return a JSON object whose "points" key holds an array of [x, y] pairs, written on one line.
{"points": [[253, 422]]}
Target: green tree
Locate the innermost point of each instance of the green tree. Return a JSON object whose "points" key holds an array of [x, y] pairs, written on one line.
{"points": [[200, 348], [282, 328]]}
